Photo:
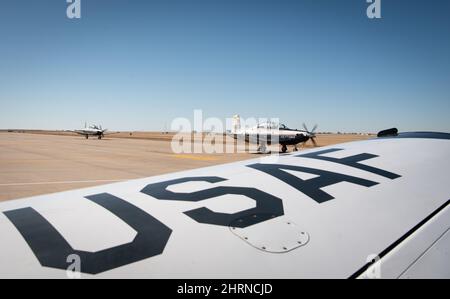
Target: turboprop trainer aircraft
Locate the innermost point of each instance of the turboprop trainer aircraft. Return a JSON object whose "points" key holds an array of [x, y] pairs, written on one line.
{"points": [[268, 133], [92, 130], [368, 209]]}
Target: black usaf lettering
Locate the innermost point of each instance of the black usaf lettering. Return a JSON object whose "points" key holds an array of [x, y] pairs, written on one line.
{"points": [[51, 249], [267, 206], [310, 187], [352, 161]]}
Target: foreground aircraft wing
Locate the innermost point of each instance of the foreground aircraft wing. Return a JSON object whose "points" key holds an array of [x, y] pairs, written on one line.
{"points": [[375, 208]]}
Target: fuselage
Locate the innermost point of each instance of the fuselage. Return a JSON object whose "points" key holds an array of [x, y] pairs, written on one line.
{"points": [[266, 134], [91, 131]]}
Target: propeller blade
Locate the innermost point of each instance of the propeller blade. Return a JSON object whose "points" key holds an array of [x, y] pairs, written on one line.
{"points": [[314, 141], [314, 129], [305, 127]]}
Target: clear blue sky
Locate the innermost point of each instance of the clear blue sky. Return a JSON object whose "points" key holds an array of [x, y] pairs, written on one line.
{"points": [[136, 65]]}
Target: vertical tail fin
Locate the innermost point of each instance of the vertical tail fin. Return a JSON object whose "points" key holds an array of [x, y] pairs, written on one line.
{"points": [[236, 123]]}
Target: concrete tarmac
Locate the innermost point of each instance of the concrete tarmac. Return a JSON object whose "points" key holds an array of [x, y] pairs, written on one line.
{"points": [[35, 164]]}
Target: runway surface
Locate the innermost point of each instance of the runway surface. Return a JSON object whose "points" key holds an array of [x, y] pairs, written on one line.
{"points": [[35, 164], [38, 164]]}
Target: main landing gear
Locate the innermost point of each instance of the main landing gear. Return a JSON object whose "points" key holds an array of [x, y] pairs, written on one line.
{"points": [[262, 149], [283, 148]]}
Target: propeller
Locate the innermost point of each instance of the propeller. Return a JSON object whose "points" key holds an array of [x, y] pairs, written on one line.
{"points": [[103, 131], [311, 134]]}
